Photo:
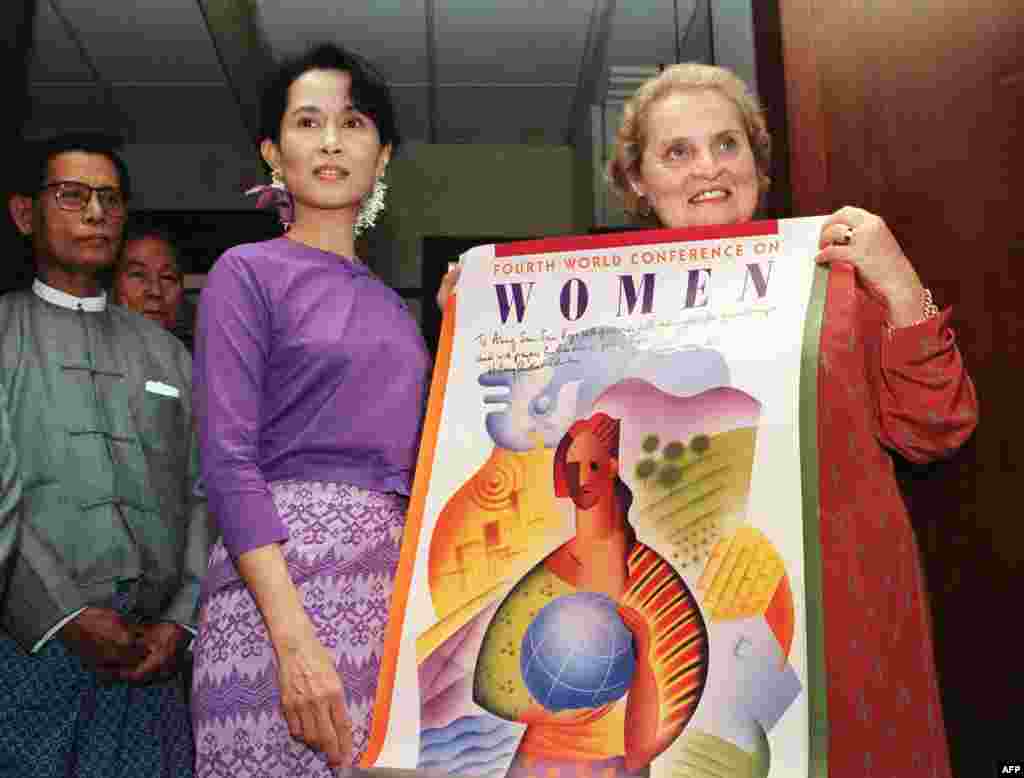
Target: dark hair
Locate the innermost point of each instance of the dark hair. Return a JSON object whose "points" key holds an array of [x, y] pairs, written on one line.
{"points": [[370, 92], [138, 230], [33, 168]]}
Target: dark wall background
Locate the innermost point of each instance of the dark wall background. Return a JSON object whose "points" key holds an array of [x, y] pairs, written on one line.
{"points": [[915, 111], [16, 20]]}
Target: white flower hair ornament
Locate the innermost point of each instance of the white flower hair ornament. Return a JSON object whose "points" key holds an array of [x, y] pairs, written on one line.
{"points": [[373, 206]]}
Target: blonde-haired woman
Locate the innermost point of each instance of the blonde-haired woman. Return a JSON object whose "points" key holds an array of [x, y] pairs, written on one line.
{"points": [[693, 149]]}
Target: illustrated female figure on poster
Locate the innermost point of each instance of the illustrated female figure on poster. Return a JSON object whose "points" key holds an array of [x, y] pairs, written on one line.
{"points": [[600, 649]]}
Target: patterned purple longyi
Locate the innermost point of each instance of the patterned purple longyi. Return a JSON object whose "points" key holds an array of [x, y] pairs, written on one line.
{"points": [[342, 554]]}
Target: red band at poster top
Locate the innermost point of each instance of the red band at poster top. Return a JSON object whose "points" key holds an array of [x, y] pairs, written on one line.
{"points": [[634, 237]]}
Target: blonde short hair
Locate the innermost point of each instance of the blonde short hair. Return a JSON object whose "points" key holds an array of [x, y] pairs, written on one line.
{"points": [[631, 139]]}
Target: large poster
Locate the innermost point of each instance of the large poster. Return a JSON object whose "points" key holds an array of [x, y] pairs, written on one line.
{"points": [[610, 566]]}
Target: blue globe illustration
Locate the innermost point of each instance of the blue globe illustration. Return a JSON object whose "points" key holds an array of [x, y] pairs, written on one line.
{"points": [[577, 653]]}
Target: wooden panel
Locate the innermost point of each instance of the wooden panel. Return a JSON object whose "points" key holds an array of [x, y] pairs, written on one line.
{"points": [[771, 88], [914, 110], [805, 111]]}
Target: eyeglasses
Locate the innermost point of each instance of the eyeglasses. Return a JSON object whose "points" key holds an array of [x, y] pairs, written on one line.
{"points": [[76, 195]]}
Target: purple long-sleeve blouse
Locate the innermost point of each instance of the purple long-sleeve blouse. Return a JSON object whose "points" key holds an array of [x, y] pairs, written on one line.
{"points": [[306, 366]]}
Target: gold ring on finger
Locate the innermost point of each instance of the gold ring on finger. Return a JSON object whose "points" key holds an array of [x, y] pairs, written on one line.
{"points": [[846, 238]]}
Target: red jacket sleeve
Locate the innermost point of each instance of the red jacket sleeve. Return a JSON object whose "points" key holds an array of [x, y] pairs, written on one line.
{"points": [[927, 405]]}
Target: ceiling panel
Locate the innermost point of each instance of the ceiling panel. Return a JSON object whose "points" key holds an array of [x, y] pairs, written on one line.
{"points": [[146, 40], [507, 71], [504, 114], [65, 107], [180, 113], [518, 41], [150, 113], [55, 56], [644, 31], [392, 34]]}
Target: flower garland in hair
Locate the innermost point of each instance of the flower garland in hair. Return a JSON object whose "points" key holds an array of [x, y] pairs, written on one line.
{"points": [[372, 207]]}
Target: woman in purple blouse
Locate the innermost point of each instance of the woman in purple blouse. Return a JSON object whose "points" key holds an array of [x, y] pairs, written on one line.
{"points": [[310, 376]]}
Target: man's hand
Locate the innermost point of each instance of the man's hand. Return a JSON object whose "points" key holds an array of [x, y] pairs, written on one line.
{"points": [[104, 640], [162, 641]]}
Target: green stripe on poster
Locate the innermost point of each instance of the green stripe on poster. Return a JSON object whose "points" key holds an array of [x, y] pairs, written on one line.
{"points": [[816, 670]]}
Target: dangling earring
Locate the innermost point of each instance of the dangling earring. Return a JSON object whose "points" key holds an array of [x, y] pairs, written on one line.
{"points": [[642, 203], [372, 206], [277, 180]]}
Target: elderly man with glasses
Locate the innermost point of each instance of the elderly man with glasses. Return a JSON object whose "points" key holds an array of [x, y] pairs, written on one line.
{"points": [[104, 578]]}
